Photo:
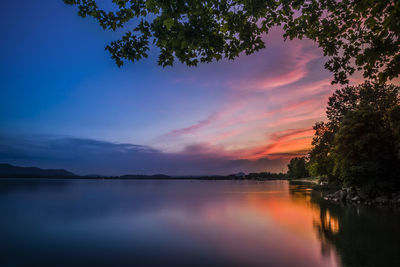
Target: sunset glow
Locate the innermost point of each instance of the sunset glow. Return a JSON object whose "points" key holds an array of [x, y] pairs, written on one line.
{"points": [[258, 109], [200, 133]]}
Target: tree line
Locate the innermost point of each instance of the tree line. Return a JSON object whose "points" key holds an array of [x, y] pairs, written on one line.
{"points": [[359, 144]]}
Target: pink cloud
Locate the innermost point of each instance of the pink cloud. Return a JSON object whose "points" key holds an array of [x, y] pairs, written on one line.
{"points": [[277, 81], [290, 67], [233, 127], [194, 127], [280, 88]]}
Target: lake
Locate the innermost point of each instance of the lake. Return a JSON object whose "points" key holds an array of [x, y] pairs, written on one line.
{"points": [[188, 223]]}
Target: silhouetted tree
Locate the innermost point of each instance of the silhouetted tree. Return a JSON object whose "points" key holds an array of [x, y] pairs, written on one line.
{"points": [[356, 35], [364, 149], [360, 143], [320, 163], [297, 168]]}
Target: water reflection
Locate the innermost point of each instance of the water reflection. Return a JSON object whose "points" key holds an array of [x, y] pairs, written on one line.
{"points": [[181, 223], [360, 235]]}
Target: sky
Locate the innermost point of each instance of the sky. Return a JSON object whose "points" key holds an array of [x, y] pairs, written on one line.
{"points": [[65, 104]]}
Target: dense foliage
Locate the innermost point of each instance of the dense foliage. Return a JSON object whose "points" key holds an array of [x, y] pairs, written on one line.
{"points": [[297, 168], [356, 35], [360, 143]]}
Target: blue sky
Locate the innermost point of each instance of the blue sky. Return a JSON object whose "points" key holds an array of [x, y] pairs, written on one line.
{"points": [[58, 83], [54, 70]]}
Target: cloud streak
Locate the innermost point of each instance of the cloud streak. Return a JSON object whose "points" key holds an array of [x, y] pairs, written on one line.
{"points": [[289, 143], [281, 89]]}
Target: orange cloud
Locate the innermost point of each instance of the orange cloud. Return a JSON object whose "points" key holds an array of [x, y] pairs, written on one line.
{"points": [[285, 142]]}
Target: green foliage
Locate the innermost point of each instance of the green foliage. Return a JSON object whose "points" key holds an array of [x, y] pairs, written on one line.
{"points": [[360, 143], [356, 35], [363, 149], [320, 163], [297, 168]]}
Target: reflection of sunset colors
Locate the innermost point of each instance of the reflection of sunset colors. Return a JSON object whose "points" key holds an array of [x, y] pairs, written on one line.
{"points": [[330, 223], [296, 217], [174, 223], [248, 228]]}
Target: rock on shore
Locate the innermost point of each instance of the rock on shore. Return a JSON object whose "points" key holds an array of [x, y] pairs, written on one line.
{"points": [[352, 195]]}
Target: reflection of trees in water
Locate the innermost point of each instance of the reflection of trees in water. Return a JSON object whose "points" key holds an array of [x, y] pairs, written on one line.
{"points": [[324, 222], [361, 236], [326, 227]]}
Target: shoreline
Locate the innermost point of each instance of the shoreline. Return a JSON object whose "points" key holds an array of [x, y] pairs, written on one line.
{"points": [[305, 180], [351, 195], [357, 196], [144, 177]]}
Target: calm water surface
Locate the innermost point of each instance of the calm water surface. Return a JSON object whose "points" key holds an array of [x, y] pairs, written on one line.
{"points": [[188, 223]]}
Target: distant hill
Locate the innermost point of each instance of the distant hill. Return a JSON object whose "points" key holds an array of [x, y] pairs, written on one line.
{"points": [[10, 171]]}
